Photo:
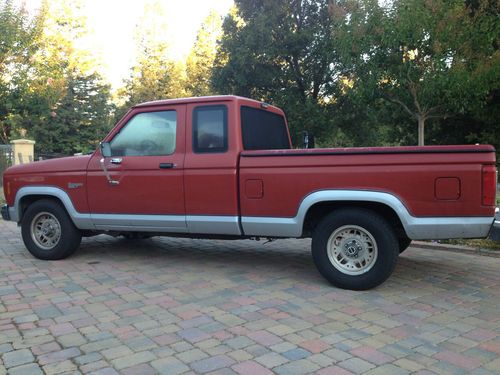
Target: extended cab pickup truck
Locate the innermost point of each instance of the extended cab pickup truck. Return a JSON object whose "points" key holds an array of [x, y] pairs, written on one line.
{"points": [[224, 167]]}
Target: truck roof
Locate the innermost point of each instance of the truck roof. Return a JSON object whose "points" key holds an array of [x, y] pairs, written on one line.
{"points": [[195, 99]]}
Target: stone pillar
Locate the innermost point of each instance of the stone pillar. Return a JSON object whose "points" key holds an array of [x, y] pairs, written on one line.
{"points": [[23, 151]]}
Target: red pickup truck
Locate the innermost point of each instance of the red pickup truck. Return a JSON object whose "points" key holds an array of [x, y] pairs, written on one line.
{"points": [[224, 167]]}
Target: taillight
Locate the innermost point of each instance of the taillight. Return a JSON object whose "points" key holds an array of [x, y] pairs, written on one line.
{"points": [[489, 185]]}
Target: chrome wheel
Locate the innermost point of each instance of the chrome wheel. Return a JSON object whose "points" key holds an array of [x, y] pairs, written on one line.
{"points": [[45, 230], [352, 250]]}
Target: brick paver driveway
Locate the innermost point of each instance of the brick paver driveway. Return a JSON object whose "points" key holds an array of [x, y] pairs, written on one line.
{"points": [[187, 306]]}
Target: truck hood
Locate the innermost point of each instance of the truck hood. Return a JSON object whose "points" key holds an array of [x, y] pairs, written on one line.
{"points": [[68, 164]]}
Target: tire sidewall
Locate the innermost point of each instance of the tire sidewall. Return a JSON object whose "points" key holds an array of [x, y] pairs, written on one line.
{"points": [[385, 238], [404, 243], [70, 236]]}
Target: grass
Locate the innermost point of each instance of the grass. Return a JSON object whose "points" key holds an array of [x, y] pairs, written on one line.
{"points": [[476, 243]]}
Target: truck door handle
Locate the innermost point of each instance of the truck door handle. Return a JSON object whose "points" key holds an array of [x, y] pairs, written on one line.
{"points": [[166, 165], [106, 173], [116, 161]]}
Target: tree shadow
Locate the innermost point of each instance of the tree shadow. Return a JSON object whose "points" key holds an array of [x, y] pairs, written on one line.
{"points": [[289, 258], [282, 258]]}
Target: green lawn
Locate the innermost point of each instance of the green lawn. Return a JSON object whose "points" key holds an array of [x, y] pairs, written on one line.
{"points": [[477, 243]]}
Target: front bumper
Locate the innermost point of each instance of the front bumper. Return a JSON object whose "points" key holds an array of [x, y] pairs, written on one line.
{"points": [[5, 212]]}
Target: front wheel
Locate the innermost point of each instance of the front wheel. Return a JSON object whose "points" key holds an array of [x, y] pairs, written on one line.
{"points": [[355, 248], [48, 231]]}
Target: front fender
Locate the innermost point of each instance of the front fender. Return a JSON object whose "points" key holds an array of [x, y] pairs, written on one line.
{"points": [[81, 220]]}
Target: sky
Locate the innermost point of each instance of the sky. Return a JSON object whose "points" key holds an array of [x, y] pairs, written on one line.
{"points": [[112, 24]]}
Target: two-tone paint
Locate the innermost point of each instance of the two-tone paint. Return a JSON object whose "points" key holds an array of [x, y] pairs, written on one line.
{"points": [[435, 192]]}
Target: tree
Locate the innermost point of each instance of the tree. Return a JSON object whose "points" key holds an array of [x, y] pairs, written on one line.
{"points": [[64, 105], [279, 51], [200, 60], [18, 43], [433, 59], [81, 119], [154, 76]]}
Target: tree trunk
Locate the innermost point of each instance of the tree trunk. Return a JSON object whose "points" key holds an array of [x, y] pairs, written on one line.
{"points": [[421, 127]]}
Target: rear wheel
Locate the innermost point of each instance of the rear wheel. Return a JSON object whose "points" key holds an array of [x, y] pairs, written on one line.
{"points": [[355, 248], [404, 243], [48, 231]]}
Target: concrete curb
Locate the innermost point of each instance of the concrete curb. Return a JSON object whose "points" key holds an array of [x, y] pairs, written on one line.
{"points": [[455, 248]]}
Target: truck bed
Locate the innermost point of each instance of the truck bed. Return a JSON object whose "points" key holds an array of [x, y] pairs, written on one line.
{"points": [[438, 181]]}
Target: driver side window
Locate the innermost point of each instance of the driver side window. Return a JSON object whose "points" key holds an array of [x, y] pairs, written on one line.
{"points": [[147, 134]]}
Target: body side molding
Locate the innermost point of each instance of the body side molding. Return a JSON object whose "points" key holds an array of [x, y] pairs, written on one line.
{"points": [[196, 224], [415, 227], [140, 223], [204, 224]]}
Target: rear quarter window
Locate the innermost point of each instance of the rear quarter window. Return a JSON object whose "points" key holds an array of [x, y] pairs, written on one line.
{"points": [[263, 130]]}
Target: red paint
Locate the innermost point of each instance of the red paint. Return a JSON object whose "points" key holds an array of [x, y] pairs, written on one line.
{"points": [[447, 188], [265, 183], [254, 189], [410, 177], [144, 188], [489, 185], [55, 172], [210, 179]]}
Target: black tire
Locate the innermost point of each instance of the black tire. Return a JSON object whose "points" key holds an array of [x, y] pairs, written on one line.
{"points": [[365, 241], [47, 222], [404, 243]]}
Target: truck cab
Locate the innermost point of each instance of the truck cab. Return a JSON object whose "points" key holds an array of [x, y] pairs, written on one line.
{"points": [[175, 163]]}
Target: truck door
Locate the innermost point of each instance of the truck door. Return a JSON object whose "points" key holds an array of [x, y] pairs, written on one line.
{"points": [[143, 188], [211, 169]]}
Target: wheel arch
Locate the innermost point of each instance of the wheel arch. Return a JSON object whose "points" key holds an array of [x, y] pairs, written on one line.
{"points": [[29, 194], [320, 210], [47, 230], [28, 200], [319, 204]]}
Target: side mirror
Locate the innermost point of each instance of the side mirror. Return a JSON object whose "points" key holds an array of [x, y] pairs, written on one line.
{"points": [[307, 139], [105, 149]]}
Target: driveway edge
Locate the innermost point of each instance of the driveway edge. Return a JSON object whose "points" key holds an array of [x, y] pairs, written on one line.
{"points": [[456, 248]]}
